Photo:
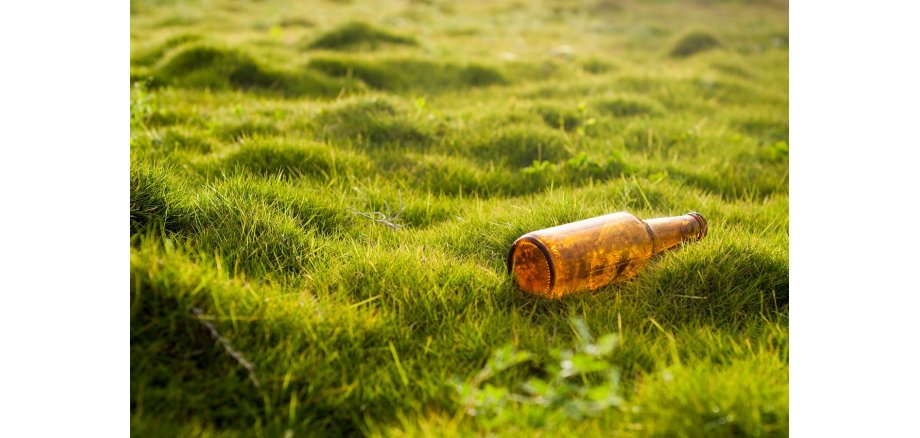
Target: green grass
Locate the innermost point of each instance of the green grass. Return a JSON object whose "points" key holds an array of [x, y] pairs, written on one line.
{"points": [[266, 138]]}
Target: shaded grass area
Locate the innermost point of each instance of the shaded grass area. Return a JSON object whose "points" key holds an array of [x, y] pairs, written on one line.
{"points": [[321, 210]]}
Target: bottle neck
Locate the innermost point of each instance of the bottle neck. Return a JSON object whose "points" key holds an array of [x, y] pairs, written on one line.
{"points": [[668, 232]]}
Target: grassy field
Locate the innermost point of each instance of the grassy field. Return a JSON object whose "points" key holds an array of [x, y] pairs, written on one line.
{"points": [[323, 196]]}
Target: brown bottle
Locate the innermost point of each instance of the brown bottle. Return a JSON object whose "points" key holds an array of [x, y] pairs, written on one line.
{"points": [[591, 253]]}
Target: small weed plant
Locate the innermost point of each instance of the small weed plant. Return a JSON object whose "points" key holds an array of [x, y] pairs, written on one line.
{"points": [[578, 383]]}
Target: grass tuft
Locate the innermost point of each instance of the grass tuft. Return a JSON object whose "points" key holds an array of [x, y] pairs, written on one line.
{"points": [[372, 122], [157, 197]]}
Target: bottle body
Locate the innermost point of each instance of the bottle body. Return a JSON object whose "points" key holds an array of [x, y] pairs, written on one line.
{"points": [[592, 253]]}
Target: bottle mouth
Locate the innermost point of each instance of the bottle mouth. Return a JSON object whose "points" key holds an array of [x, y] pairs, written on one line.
{"points": [[704, 226], [531, 266]]}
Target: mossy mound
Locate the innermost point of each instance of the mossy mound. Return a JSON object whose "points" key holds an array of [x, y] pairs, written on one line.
{"points": [[521, 145], [206, 66], [373, 122], [693, 43], [294, 160], [357, 35], [151, 55]]}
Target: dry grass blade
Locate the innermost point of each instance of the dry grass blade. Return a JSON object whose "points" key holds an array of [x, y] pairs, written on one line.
{"points": [[228, 347], [387, 218]]}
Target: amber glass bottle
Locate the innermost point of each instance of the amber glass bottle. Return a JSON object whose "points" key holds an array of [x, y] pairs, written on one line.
{"points": [[591, 253]]}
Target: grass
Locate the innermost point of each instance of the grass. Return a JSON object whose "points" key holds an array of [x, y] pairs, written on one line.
{"points": [[323, 196]]}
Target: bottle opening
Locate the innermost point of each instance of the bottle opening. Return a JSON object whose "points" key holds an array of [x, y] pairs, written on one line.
{"points": [[531, 266]]}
